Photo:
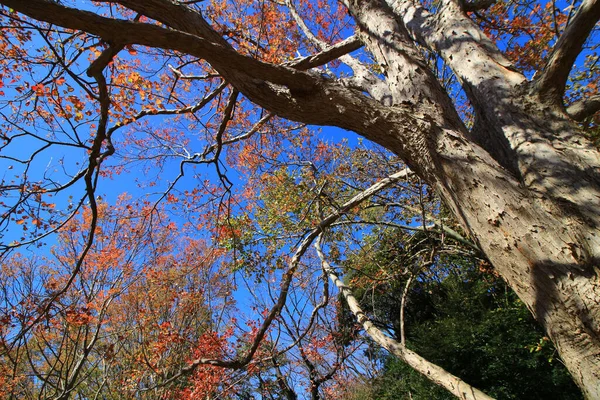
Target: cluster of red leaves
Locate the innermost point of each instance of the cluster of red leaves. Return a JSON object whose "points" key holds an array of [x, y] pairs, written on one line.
{"points": [[526, 31], [255, 29], [208, 380]]}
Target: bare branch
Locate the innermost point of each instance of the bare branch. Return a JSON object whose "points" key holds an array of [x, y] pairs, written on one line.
{"points": [[550, 85], [433, 372], [328, 54]]}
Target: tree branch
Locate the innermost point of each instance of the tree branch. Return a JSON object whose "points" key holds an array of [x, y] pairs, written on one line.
{"points": [[122, 32], [287, 280], [433, 372], [303, 27], [584, 108], [364, 79], [328, 54], [550, 85], [474, 58], [285, 91]]}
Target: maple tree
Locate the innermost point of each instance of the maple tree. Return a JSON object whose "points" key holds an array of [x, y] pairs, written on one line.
{"points": [[207, 108], [137, 304]]}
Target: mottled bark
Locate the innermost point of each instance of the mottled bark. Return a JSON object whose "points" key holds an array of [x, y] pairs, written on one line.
{"points": [[532, 197]]}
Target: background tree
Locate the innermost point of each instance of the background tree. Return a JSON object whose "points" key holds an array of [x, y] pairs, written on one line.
{"points": [[482, 101], [139, 303], [458, 314]]}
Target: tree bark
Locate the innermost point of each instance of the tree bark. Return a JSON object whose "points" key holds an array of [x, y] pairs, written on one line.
{"points": [[542, 247], [532, 198]]}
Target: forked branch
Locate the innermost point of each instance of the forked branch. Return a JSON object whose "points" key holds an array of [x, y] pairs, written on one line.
{"points": [[328, 54], [584, 108], [433, 372], [550, 85], [288, 276]]}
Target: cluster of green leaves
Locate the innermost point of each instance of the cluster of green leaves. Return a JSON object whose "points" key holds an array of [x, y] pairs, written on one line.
{"points": [[461, 316]]}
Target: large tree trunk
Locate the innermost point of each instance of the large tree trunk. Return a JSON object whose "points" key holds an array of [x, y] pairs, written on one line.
{"points": [[544, 245], [524, 182], [542, 240]]}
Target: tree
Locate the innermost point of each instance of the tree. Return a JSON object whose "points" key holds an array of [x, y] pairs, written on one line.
{"points": [[139, 303], [520, 176], [458, 314]]}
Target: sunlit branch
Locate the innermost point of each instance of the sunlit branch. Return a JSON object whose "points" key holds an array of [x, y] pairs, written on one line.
{"points": [[572, 9], [550, 84], [433, 372], [305, 29], [433, 224], [286, 281], [359, 198], [364, 79], [201, 158], [171, 111], [403, 307], [328, 54], [584, 108], [181, 75]]}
